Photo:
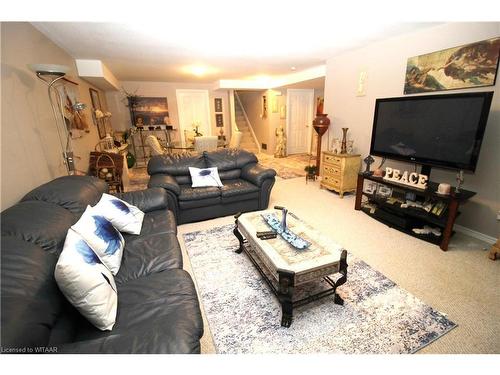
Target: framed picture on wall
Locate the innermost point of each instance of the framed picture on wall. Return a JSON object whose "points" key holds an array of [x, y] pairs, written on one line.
{"points": [[218, 104], [467, 66], [151, 111], [96, 104], [219, 120]]}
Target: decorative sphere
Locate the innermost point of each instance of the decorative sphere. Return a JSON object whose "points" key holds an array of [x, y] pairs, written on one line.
{"points": [[104, 170]]}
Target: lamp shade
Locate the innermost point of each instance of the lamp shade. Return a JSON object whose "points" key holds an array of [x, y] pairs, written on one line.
{"points": [[52, 69]]}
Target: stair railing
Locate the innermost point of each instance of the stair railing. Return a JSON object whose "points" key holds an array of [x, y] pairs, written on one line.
{"points": [[249, 124]]}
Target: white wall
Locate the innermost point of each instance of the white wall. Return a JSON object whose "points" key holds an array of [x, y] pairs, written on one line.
{"points": [[31, 154], [385, 63], [121, 114]]}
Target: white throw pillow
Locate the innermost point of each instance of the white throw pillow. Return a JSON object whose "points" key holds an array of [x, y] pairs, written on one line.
{"points": [[124, 217], [106, 241], [203, 177], [86, 282]]}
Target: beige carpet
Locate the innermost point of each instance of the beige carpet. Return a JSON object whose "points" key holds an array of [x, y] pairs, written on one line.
{"points": [[461, 282]]}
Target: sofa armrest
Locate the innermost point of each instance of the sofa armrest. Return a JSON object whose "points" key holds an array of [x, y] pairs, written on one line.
{"points": [[257, 174], [164, 181], [146, 200]]}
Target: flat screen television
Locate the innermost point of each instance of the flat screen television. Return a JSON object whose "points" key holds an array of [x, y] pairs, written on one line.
{"points": [[433, 130]]}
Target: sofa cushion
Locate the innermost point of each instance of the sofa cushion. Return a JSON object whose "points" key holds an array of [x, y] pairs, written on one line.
{"points": [[231, 174], [237, 187], [175, 164], [228, 159], [30, 299], [189, 193], [161, 221], [44, 224], [148, 254], [156, 314], [74, 193], [185, 205]]}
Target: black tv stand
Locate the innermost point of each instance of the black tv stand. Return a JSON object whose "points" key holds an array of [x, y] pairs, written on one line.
{"points": [[403, 219]]}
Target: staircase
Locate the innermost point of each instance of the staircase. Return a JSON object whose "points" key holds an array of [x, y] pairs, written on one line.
{"points": [[247, 140]]}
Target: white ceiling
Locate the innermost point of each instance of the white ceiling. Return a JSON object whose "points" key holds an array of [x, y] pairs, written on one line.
{"points": [[240, 48]]}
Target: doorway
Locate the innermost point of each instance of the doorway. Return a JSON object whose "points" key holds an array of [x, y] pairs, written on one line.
{"points": [[193, 108], [300, 115]]}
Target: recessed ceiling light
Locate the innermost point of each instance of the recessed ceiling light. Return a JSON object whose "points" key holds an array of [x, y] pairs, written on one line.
{"points": [[293, 68]]}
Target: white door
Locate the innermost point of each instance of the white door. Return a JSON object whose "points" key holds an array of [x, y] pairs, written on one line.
{"points": [[300, 115], [193, 108]]}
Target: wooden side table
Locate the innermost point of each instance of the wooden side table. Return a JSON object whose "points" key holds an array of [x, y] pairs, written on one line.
{"points": [[339, 172]]}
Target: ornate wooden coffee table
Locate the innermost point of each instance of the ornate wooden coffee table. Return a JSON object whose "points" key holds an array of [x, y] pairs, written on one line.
{"points": [[285, 268]]}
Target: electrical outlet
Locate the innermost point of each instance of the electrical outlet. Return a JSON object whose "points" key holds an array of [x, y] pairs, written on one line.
{"points": [[264, 146]]}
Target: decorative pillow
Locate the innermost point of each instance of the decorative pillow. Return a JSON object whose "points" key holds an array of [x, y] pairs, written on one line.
{"points": [[86, 282], [102, 237], [124, 217], [205, 177]]}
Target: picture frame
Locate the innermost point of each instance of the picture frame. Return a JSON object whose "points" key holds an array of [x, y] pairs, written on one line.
{"points": [[151, 111], [219, 120], [218, 104], [264, 107], [383, 191], [96, 104], [466, 66], [370, 187]]}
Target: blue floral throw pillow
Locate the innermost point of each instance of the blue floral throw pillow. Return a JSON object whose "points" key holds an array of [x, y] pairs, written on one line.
{"points": [[102, 237], [86, 283], [124, 217], [204, 177]]}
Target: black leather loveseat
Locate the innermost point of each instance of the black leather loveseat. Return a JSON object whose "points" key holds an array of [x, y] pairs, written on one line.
{"points": [[158, 309], [247, 185]]}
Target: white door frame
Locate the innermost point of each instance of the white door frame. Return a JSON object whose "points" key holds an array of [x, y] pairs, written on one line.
{"points": [[207, 129], [310, 115]]}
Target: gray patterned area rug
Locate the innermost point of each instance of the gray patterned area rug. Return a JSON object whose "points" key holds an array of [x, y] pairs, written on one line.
{"points": [[244, 316]]}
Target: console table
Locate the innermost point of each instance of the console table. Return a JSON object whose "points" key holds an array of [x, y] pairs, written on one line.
{"points": [[405, 219]]}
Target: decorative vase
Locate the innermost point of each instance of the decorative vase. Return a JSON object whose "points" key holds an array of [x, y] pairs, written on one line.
{"points": [[320, 124], [343, 148]]}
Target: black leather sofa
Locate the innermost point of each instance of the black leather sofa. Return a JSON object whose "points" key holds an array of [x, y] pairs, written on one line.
{"points": [[247, 185], [158, 309]]}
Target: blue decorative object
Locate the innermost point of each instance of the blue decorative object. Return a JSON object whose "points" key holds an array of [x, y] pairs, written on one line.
{"points": [[107, 232], [87, 253], [288, 236], [121, 206], [205, 172]]}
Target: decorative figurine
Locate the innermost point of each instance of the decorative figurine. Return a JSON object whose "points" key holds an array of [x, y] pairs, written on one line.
{"points": [[280, 151], [284, 210], [336, 145], [368, 160], [460, 181]]}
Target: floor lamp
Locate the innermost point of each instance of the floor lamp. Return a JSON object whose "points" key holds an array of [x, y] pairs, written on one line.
{"points": [[50, 74]]}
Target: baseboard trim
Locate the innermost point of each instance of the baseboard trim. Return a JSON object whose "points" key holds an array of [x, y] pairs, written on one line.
{"points": [[475, 234]]}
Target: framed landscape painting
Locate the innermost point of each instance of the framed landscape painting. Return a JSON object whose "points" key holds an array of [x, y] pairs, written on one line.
{"points": [[150, 111], [467, 66]]}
